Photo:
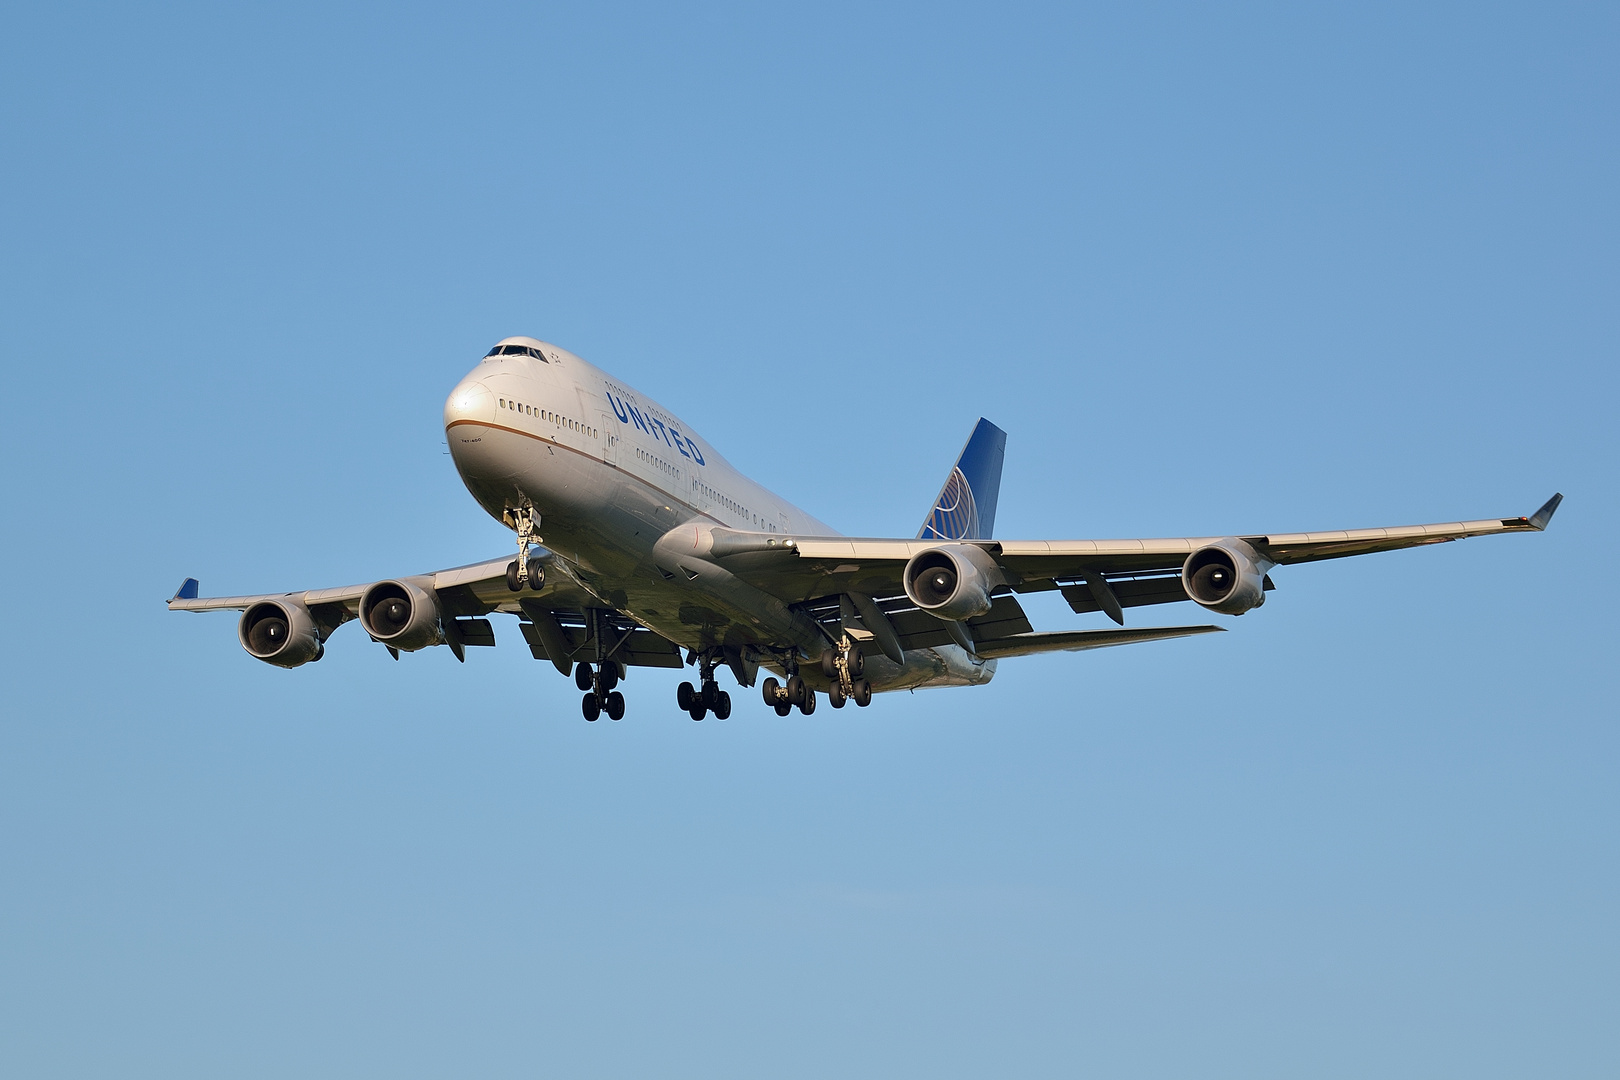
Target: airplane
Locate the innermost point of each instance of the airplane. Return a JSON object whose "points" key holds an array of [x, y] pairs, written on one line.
{"points": [[658, 553]]}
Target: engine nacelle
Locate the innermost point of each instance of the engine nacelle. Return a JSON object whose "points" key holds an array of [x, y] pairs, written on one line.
{"points": [[280, 632], [952, 581], [401, 615], [1227, 576]]}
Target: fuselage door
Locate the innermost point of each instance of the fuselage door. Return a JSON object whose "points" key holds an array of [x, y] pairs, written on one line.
{"points": [[608, 439]]}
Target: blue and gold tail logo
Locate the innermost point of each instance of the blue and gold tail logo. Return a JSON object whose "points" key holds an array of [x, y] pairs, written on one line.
{"points": [[954, 517], [966, 506]]}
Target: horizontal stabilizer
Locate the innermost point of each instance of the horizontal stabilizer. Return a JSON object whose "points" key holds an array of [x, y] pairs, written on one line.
{"points": [[1075, 640]]}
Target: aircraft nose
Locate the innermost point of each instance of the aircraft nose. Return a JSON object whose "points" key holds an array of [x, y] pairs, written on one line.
{"points": [[469, 401]]}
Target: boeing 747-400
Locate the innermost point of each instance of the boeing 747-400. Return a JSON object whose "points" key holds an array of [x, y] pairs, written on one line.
{"points": [[658, 553]]}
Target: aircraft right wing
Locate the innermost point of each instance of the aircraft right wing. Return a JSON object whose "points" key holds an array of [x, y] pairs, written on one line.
{"points": [[561, 622]]}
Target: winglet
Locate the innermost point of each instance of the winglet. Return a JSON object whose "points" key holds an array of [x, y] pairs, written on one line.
{"points": [[1539, 519], [187, 590]]}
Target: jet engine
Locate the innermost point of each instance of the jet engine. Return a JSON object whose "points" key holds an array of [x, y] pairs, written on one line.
{"points": [[401, 615], [280, 632], [953, 581], [1227, 576]]}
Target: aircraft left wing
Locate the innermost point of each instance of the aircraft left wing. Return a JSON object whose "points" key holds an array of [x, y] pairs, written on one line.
{"points": [[1093, 575]]}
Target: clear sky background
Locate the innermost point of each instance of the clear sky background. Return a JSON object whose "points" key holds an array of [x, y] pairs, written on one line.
{"points": [[1213, 269]]}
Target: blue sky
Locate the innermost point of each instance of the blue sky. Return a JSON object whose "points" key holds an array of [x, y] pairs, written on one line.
{"points": [[1214, 270]]}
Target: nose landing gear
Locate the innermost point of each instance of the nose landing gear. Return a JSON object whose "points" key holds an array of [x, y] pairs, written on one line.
{"points": [[525, 571]]}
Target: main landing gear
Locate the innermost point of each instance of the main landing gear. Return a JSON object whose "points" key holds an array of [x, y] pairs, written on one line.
{"points": [[697, 703], [796, 694], [598, 685], [845, 668], [525, 571]]}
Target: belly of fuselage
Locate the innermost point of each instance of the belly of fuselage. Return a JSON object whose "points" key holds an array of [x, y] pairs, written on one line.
{"points": [[606, 521]]}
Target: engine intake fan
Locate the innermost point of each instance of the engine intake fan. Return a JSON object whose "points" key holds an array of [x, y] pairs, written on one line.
{"points": [[401, 615], [1228, 576], [952, 581], [280, 632]]}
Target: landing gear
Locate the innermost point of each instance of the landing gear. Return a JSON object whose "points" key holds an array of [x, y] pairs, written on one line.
{"points": [[698, 703], [845, 668], [598, 685], [524, 570], [795, 694]]}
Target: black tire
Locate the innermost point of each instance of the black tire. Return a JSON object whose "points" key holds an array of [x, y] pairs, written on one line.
{"points": [[835, 696], [609, 676], [584, 677], [829, 663], [809, 704], [769, 689], [512, 581], [615, 706], [591, 707], [863, 693], [537, 575], [697, 711], [685, 695], [783, 708], [722, 706], [857, 662], [795, 690]]}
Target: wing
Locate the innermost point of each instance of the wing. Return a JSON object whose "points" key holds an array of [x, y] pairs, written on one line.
{"points": [[1093, 575], [561, 622]]}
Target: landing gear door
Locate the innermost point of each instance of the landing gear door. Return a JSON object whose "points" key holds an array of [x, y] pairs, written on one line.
{"points": [[608, 438]]}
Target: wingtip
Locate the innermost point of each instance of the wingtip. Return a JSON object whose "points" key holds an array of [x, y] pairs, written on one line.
{"points": [[1540, 518]]}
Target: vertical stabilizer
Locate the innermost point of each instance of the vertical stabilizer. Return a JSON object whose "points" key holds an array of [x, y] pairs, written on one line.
{"points": [[966, 507]]}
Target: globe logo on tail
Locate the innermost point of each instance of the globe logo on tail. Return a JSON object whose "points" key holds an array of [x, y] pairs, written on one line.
{"points": [[955, 516]]}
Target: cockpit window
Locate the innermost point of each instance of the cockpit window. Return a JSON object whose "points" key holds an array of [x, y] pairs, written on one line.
{"points": [[517, 350]]}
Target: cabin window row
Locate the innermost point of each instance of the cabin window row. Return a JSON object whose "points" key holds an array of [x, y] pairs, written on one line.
{"points": [[730, 504], [656, 462], [547, 414]]}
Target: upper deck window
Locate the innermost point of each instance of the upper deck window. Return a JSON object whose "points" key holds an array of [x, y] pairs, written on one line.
{"points": [[517, 350]]}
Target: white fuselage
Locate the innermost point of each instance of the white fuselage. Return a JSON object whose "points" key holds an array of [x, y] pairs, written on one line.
{"points": [[613, 477]]}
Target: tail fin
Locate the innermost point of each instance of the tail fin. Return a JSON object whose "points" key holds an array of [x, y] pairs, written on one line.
{"points": [[966, 507]]}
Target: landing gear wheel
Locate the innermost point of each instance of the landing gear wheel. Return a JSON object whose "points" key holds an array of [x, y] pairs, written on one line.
{"points": [[609, 678], [697, 711], [512, 581], [722, 706], [783, 708], [684, 696], [584, 677], [537, 575], [615, 706], [863, 693], [808, 705], [795, 691], [769, 690], [835, 695], [856, 660], [829, 664], [591, 707]]}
